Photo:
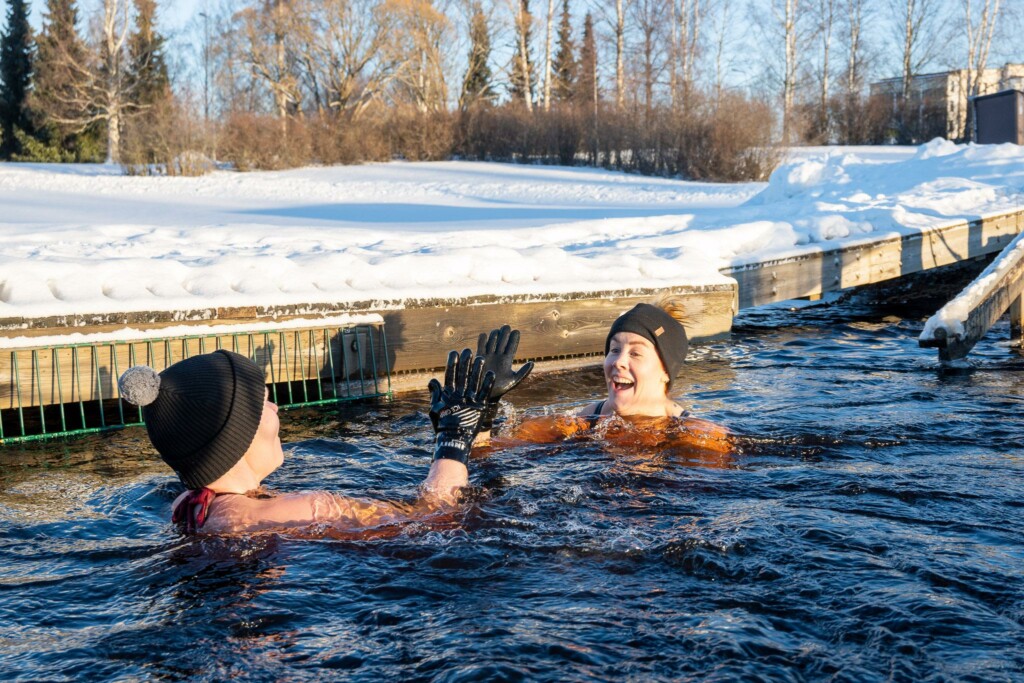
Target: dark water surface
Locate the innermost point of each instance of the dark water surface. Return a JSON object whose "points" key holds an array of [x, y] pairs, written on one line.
{"points": [[869, 531]]}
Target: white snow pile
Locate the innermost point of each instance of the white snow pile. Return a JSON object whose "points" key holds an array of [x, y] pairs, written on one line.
{"points": [[88, 239]]}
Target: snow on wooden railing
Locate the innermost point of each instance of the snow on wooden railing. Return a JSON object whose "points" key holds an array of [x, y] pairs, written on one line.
{"points": [[958, 325]]}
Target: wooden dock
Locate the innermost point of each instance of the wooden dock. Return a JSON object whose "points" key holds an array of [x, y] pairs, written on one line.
{"points": [[961, 323], [558, 330]]}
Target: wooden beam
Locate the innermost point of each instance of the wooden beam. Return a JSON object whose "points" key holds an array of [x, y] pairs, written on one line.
{"points": [[817, 270], [419, 334], [962, 322], [1016, 313]]}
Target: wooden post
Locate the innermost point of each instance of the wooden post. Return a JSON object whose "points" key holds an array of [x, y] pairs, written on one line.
{"points": [[958, 325], [1016, 313]]}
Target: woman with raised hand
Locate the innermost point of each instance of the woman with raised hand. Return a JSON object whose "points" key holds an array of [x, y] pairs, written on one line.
{"points": [[644, 353], [209, 418]]}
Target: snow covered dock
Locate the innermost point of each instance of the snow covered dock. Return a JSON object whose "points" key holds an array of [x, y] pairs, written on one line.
{"points": [[441, 251]]}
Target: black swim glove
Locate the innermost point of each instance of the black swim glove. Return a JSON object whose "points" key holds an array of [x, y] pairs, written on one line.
{"points": [[456, 407], [499, 350]]}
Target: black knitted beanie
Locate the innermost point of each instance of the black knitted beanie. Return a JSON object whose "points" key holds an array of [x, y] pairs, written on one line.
{"points": [[658, 327], [201, 413]]}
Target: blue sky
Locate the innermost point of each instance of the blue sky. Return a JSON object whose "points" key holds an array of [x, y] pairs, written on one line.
{"points": [[177, 12], [174, 13]]}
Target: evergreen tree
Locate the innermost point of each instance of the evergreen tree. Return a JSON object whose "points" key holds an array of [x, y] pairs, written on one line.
{"points": [[522, 78], [477, 86], [585, 91], [16, 74], [149, 81], [62, 64], [565, 66]]}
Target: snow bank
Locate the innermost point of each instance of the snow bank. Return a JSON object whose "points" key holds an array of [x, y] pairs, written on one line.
{"points": [[86, 239]]}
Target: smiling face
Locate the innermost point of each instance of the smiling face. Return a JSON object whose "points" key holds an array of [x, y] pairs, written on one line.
{"points": [[636, 379], [265, 453]]}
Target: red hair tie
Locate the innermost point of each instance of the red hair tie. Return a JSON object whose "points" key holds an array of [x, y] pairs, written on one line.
{"points": [[193, 509]]}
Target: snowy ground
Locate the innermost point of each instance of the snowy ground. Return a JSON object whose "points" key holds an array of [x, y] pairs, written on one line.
{"points": [[85, 239]]}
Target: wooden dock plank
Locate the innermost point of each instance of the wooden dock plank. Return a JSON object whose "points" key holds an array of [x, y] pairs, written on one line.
{"points": [[817, 271], [419, 336]]}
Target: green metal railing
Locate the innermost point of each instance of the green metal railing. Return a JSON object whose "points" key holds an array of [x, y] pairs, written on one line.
{"points": [[71, 390]]}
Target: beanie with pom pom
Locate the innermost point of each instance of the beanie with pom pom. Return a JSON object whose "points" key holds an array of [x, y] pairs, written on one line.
{"points": [[201, 413]]}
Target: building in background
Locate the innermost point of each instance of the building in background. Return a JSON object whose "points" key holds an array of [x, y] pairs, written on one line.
{"points": [[937, 103], [999, 118]]}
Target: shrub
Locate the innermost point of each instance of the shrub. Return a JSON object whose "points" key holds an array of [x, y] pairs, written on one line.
{"points": [[257, 142]]}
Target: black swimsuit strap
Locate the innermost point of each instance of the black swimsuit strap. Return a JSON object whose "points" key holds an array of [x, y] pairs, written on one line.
{"points": [[592, 420]]}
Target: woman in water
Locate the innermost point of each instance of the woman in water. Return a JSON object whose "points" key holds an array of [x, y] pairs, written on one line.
{"points": [[209, 418], [644, 352]]}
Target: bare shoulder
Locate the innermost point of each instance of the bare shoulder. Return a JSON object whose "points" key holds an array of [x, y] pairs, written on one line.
{"points": [[239, 512], [589, 409]]}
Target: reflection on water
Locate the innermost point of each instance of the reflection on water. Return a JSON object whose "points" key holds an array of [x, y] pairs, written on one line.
{"points": [[867, 529]]}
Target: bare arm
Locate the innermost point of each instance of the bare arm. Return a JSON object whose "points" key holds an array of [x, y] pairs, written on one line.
{"points": [[241, 513]]}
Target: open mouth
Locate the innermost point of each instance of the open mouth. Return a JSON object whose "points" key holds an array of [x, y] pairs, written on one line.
{"points": [[622, 384]]}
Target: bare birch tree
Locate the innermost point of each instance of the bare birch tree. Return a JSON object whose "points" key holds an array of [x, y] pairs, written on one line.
{"points": [[522, 78], [547, 55], [854, 13], [620, 54], [787, 13], [421, 34], [785, 27], [113, 83], [690, 18], [95, 87], [268, 29], [649, 17], [915, 30], [721, 20], [980, 30], [826, 11], [851, 115], [346, 53], [613, 13]]}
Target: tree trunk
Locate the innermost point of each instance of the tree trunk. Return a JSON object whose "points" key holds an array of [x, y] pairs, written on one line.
{"points": [[853, 61], [524, 62], [979, 41], [828, 12], [789, 80], [674, 56], [908, 45], [620, 48], [691, 45], [113, 86], [114, 137], [279, 55], [547, 57]]}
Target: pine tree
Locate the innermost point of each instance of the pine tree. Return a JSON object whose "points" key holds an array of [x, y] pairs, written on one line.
{"points": [[522, 78], [149, 81], [477, 86], [16, 74], [565, 65], [586, 91], [62, 63]]}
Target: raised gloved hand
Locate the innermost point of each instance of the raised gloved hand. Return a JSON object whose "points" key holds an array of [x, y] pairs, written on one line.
{"points": [[499, 350], [456, 408]]}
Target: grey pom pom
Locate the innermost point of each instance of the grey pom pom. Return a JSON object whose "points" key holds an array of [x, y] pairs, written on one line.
{"points": [[139, 385]]}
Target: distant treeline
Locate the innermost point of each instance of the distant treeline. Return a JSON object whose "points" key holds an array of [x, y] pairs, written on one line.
{"points": [[281, 83]]}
